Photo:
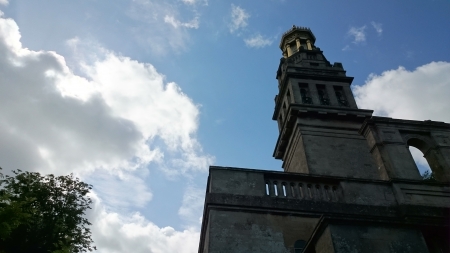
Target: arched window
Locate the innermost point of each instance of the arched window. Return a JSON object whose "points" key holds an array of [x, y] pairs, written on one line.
{"points": [[421, 162], [299, 245], [418, 149]]}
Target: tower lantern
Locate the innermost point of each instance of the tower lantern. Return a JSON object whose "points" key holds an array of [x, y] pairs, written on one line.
{"points": [[297, 39]]}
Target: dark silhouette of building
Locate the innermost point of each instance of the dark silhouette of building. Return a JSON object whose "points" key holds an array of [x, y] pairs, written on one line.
{"points": [[350, 183]]}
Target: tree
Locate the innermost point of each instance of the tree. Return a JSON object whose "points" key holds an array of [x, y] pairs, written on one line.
{"points": [[44, 213], [428, 176]]}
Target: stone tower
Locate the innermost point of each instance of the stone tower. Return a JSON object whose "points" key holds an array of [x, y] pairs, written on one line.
{"points": [[349, 183], [317, 115]]}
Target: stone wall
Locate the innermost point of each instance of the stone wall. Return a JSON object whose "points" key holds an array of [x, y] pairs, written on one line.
{"points": [[266, 211]]}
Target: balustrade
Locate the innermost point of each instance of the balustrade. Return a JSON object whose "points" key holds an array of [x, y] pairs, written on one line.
{"points": [[303, 190]]}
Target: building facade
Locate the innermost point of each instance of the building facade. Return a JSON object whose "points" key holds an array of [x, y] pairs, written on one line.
{"points": [[349, 184]]}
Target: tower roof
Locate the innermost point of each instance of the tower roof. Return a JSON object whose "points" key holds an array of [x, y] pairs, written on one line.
{"points": [[299, 30]]}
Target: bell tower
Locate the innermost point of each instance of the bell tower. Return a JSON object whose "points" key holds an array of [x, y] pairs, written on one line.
{"points": [[355, 186], [317, 115]]}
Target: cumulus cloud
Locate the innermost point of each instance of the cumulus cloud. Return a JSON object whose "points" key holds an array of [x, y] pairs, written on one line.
{"points": [[358, 34], [115, 233], [4, 2], [108, 120], [420, 94], [108, 125], [116, 189], [378, 27], [239, 18], [258, 41], [192, 206]]}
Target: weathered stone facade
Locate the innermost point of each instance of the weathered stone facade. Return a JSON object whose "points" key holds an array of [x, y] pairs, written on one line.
{"points": [[350, 183]]}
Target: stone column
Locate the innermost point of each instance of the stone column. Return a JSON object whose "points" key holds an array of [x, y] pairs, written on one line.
{"points": [[289, 50], [331, 95], [314, 93], [308, 44], [297, 41], [349, 96]]}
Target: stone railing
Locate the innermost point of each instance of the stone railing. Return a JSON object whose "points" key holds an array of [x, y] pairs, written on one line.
{"points": [[330, 189], [303, 190]]}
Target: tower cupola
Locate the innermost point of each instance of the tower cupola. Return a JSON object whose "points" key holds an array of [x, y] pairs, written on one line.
{"points": [[297, 39]]}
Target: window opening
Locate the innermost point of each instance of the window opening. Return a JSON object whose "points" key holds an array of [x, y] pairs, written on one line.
{"points": [[339, 91], [284, 190], [275, 188], [303, 44], [267, 189], [304, 93], [323, 95], [294, 48], [421, 163]]}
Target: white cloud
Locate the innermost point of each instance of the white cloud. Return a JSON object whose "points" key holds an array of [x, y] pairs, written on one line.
{"points": [[63, 122], [346, 48], [3, 2], [108, 126], [258, 41], [239, 18], [176, 23], [159, 27], [115, 233], [358, 34], [377, 27], [192, 2], [421, 94], [116, 189], [192, 207]]}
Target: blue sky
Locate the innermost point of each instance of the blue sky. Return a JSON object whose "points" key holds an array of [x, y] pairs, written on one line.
{"points": [[139, 97]]}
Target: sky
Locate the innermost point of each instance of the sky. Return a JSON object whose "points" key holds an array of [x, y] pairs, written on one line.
{"points": [[139, 97]]}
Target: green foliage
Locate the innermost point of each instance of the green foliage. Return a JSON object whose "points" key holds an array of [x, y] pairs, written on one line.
{"points": [[44, 213]]}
